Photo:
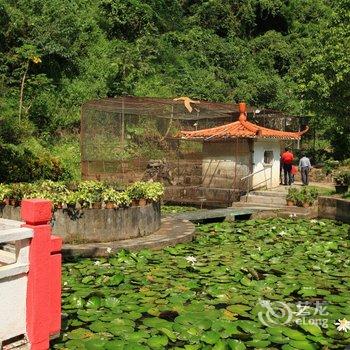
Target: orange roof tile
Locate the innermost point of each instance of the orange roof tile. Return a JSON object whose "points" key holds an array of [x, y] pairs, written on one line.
{"points": [[241, 128]]}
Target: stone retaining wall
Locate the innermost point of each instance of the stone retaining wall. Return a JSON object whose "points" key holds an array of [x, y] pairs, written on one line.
{"points": [[99, 225], [334, 208]]}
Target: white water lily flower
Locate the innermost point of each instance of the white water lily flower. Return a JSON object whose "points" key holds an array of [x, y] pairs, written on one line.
{"points": [[191, 259], [293, 215], [282, 233], [97, 262], [273, 228], [109, 250], [322, 223], [343, 325], [65, 283], [313, 221]]}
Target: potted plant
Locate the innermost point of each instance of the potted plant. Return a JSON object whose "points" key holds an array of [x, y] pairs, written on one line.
{"points": [[342, 181], [71, 199], [291, 197], [90, 194], [110, 198], [123, 199], [137, 193], [154, 191]]}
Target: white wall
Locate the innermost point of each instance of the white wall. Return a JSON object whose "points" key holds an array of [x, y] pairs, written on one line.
{"points": [[260, 146]]}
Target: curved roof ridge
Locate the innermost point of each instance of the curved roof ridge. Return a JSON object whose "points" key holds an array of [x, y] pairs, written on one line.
{"points": [[241, 129]]}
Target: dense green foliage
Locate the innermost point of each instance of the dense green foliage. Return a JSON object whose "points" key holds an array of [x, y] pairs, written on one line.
{"points": [[208, 294], [55, 55]]}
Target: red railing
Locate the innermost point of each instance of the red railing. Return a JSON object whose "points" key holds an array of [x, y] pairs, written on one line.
{"points": [[43, 310]]}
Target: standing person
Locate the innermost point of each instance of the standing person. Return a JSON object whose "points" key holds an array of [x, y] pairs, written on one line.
{"points": [[294, 171], [304, 166], [281, 169], [287, 159]]}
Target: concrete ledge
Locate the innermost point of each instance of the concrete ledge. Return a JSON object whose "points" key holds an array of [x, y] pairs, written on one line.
{"points": [[334, 208], [99, 225], [171, 232]]}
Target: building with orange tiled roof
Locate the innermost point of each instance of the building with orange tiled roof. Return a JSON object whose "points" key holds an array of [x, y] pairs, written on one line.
{"points": [[235, 150]]}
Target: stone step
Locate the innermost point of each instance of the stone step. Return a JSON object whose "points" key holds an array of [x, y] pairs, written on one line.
{"points": [[281, 193], [256, 206], [264, 200]]}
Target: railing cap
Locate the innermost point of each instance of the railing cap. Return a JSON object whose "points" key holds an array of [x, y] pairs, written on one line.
{"points": [[36, 211]]}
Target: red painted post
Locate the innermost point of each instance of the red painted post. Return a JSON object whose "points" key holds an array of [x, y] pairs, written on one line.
{"points": [[44, 277]]}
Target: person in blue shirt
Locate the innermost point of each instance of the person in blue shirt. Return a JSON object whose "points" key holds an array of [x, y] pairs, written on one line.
{"points": [[305, 167]]}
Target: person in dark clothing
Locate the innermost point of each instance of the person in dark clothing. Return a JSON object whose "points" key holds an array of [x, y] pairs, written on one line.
{"points": [[287, 159]]}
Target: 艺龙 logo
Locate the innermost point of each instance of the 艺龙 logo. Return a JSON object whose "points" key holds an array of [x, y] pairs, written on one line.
{"points": [[276, 313]]}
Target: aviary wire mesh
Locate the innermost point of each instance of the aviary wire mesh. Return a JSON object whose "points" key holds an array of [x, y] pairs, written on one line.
{"points": [[126, 139]]}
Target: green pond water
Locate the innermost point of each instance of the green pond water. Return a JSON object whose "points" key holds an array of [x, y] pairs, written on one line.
{"points": [[258, 284]]}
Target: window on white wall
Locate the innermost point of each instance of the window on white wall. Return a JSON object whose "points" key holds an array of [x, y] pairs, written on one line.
{"points": [[268, 157]]}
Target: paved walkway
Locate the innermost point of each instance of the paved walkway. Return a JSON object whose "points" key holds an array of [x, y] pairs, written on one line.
{"points": [[209, 214], [172, 232]]}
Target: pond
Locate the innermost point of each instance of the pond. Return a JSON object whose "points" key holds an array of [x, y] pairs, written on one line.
{"points": [[272, 284]]}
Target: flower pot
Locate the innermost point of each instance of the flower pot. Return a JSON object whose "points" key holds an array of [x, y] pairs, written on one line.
{"points": [[96, 205], [306, 205], [142, 202], [135, 202], [110, 205], [7, 201], [59, 206], [290, 203], [341, 188], [13, 202]]}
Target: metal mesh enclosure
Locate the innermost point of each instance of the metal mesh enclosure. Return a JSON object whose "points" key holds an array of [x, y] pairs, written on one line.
{"points": [[127, 139]]}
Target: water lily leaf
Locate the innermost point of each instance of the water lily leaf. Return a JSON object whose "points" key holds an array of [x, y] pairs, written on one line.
{"points": [[157, 323], [80, 333], [248, 326], [294, 334], [303, 345], [111, 302], [256, 343], [276, 330], [135, 346], [220, 345], [210, 337], [115, 345], [138, 336], [98, 326], [87, 279], [192, 347], [115, 280], [169, 333], [279, 339], [236, 344], [118, 330], [75, 344], [95, 344], [238, 309], [157, 342], [312, 329], [94, 302]]}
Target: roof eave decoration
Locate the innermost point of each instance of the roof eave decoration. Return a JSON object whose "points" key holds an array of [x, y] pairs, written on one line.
{"points": [[240, 129]]}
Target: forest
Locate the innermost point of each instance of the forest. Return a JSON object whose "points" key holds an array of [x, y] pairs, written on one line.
{"points": [[289, 55]]}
